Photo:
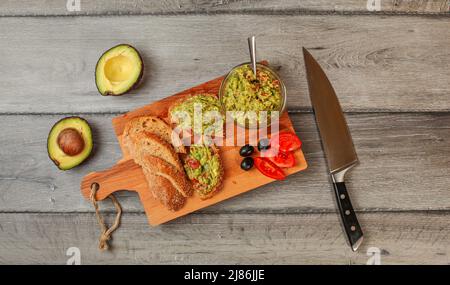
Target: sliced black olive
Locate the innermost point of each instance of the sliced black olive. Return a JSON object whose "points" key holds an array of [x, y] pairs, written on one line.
{"points": [[247, 163], [263, 144], [246, 150]]}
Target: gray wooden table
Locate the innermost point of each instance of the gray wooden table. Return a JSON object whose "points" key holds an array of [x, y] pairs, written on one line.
{"points": [[390, 69]]}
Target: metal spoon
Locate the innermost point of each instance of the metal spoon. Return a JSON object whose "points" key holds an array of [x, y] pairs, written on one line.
{"points": [[252, 49]]}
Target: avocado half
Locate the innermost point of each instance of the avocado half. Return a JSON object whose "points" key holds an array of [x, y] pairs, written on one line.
{"points": [[69, 142], [118, 70]]}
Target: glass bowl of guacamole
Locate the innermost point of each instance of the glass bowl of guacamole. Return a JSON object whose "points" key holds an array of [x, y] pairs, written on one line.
{"points": [[252, 101]]}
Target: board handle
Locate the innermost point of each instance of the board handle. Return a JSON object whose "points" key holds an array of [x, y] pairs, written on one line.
{"points": [[125, 175]]}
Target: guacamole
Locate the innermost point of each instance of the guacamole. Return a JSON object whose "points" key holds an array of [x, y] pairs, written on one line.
{"points": [[243, 93], [203, 168], [205, 123]]}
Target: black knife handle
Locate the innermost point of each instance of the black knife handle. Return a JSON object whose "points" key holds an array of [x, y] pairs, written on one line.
{"points": [[348, 215]]}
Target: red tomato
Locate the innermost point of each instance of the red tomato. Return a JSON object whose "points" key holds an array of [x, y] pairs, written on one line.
{"points": [[287, 141], [269, 169], [283, 159], [193, 163]]}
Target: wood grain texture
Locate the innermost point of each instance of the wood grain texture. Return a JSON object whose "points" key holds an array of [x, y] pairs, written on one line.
{"points": [[158, 7], [405, 162], [403, 238], [125, 175], [375, 63]]}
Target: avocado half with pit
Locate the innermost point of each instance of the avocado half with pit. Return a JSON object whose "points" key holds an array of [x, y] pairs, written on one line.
{"points": [[118, 70], [69, 142]]}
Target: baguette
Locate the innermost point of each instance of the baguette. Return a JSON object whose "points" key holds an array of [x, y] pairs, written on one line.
{"points": [[168, 165], [164, 191], [155, 126], [160, 163], [162, 168], [147, 143]]}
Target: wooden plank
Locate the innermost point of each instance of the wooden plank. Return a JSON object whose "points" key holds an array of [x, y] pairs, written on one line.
{"points": [[375, 63], [235, 181], [405, 162], [402, 238], [135, 7]]}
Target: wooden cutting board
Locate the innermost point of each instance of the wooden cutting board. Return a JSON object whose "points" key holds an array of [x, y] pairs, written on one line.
{"points": [[126, 175]]}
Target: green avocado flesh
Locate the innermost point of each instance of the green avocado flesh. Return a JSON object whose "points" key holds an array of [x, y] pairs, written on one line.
{"points": [[211, 120], [118, 70], [206, 170], [243, 93], [69, 142]]}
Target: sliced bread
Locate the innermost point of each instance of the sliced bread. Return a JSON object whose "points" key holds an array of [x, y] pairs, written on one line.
{"points": [[144, 144], [164, 191], [155, 126], [162, 168]]}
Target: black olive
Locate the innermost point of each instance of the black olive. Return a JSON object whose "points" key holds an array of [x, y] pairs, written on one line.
{"points": [[247, 163], [246, 150], [263, 144]]}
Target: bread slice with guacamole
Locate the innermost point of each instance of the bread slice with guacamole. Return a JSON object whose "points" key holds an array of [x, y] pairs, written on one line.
{"points": [[205, 170], [183, 112]]}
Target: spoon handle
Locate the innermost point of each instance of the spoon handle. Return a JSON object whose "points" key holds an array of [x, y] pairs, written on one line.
{"points": [[252, 49]]}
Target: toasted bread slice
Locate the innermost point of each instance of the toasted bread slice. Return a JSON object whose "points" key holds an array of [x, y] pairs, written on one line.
{"points": [[168, 165], [164, 191], [206, 191], [208, 104], [155, 126], [219, 183], [147, 143], [160, 164], [160, 167]]}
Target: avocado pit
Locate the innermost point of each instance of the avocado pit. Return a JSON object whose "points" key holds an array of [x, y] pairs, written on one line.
{"points": [[71, 142]]}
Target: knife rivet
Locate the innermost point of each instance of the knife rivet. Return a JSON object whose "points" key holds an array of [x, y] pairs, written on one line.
{"points": [[342, 196], [353, 228], [347, 212]]}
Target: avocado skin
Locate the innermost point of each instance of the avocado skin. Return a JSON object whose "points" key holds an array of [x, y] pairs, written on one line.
{"points": [[56, 162], [134, 86]]}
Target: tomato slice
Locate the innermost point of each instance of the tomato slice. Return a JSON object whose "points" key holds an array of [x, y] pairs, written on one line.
{"points": [[269, 169], [193, 163], [282, 159], [287, 141]]}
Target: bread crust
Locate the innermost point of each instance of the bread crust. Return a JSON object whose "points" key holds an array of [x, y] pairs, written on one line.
{"points": [[160, 162], [163, 190], [160, 167], [144, 143], [155, 125]]}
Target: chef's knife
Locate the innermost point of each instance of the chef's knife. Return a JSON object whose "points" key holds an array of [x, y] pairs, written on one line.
{"points": [[336, 142]]}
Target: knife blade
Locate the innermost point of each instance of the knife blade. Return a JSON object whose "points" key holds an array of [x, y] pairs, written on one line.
{"points": [[337, 143]]}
